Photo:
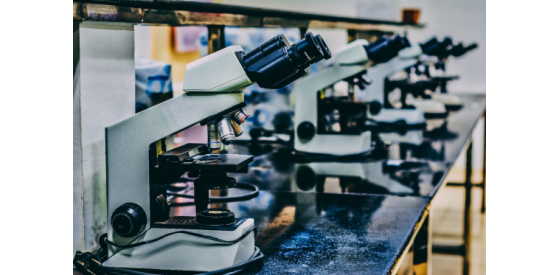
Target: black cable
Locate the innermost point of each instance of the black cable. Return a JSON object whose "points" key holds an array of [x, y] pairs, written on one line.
{"points": [[225, 242], [234, 269], [116, 270], [245, 186]]}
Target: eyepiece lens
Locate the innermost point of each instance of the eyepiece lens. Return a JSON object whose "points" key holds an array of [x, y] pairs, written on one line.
{"points": [[326, 52], [308, 49]]}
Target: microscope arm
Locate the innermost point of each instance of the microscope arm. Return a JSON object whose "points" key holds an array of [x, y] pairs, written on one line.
{"points": [[127, 144]]}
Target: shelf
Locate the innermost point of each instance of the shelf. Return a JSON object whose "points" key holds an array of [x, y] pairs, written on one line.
{"points": [[182, 13]]}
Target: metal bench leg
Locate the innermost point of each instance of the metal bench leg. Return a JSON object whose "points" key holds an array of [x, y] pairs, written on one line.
{"points": [[467, 215], [483, 185]]}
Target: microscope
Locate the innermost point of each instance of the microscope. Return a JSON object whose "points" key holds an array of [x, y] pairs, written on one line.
{"points": [[141, 233], [328, 119], [406, 112], [432, 69]]}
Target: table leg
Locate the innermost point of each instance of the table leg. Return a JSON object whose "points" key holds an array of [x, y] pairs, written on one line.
{"points": [[483, 184], [467, 214], [422, 256]]}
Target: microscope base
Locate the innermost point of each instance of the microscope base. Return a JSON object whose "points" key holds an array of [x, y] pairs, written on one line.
{"points": [[338, 145], [182, 252], [451, 102], [401, 118], [431, 108]]}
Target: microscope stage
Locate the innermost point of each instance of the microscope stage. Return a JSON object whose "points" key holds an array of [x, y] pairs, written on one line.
{"points": [[220, 162]]}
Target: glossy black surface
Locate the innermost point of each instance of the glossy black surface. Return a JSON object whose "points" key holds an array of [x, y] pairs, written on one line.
{"points": [[424, 158], [319, 233], [304, 227]]}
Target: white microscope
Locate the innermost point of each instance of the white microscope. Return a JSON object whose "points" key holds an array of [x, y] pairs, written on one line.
{"points": [[432, 68], [141, 235], [329, 124], [411, 109]]}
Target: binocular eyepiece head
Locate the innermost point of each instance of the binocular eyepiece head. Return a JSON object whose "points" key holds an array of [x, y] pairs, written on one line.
{"points": [[434, 47], [384, 49], [276, 63]]}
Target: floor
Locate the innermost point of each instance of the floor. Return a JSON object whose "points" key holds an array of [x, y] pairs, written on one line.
{"points": [[447, 224]]}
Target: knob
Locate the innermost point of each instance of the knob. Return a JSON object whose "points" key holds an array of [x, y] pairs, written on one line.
{"points": [[215, 217], [375, 107], [128, 220], [305, 178], [306, 130]]}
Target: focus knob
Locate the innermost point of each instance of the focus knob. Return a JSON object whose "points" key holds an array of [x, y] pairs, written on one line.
{"points": [[375, 107], [306, 130], [128, 220]]}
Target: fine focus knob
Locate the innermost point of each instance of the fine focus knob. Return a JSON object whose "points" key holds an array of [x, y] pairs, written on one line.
{"points": [[306, 130], [128, 220]]}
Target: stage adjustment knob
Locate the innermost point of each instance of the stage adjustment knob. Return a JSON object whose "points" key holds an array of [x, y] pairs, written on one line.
{"points": [[128, 220]]}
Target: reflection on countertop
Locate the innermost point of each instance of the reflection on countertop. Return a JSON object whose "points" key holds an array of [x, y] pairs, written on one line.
{"points": [[414, 162]]}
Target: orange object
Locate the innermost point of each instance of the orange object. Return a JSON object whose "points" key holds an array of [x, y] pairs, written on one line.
{"points": [[410, 16]]}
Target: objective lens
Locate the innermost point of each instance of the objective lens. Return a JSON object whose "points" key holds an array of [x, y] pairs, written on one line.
{"points": [[214, 140], [226, 132], [237, 129], [240, 116]]}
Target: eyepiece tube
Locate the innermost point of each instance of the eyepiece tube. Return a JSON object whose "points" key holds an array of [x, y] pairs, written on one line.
{"points": [[459, 50], [276, 63], [306, 52], [326, 52], [384, 51], [266, 48]]}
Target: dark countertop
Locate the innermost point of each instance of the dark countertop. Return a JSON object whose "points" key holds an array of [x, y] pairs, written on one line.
{"points": [[307, 228], [320, 233], [415, 165]]}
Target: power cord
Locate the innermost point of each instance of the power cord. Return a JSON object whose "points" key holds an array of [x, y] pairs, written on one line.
{"points": [[225, 242], [87, 263]]}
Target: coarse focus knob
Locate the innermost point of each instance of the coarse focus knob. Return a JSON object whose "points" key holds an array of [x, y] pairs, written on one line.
{"points": [[306, 130], [128, 220], [375, 107]]}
